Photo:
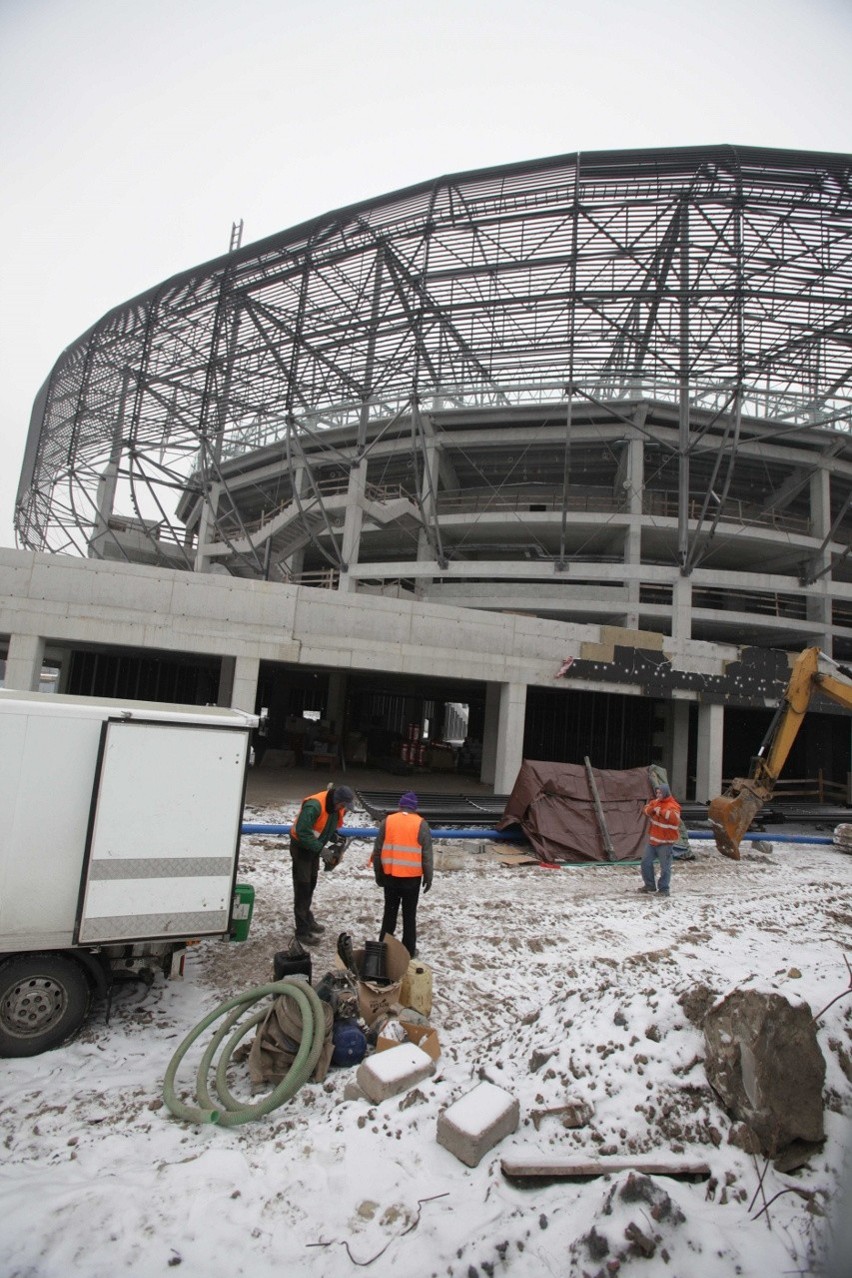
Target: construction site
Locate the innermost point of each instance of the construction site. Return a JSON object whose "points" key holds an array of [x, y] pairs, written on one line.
{"points": [[492, 536]]}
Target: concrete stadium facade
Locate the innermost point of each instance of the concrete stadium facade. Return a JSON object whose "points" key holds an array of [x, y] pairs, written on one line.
{"points": [[605, 394]]}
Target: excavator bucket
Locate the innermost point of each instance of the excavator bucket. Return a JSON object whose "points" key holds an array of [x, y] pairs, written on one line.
{"points": [[730, 815]]}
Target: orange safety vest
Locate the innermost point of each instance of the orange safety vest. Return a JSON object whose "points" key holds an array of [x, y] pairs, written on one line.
{"points": [[665, 820], [320, 823], [402, 855]]}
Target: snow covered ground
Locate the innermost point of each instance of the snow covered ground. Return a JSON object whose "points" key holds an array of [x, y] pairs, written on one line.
{"points": [[557, 985]]}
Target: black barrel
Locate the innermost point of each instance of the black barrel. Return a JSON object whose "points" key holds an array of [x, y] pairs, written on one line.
{"points": [[374, 963]]}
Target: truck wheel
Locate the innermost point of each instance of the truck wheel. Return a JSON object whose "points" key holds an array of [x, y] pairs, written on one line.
{"points": [[44, 999]]}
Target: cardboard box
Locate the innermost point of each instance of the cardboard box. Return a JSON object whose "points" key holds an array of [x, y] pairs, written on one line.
{"points": [[422, 1036], [373, 999]]}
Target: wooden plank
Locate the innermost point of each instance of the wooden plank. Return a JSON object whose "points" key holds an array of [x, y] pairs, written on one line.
{"points": [[535, 1163]]}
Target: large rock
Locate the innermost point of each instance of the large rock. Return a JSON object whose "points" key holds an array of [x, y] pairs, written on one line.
{"points": [[764, 1062]]}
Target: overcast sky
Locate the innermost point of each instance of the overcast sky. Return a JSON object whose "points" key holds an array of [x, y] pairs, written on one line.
{"points": [[133, 133]]}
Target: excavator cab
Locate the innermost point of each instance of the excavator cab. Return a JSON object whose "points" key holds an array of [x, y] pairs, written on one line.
{"points": [[732, 813]]}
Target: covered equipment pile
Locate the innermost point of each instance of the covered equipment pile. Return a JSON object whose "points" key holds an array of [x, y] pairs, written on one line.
{"points": [[555, 806]]}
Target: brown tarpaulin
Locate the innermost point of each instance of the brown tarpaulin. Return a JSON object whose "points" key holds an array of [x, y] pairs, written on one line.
{"points": [[553, 804]]}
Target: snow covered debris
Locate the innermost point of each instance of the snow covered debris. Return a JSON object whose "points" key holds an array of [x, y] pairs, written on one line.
{"points": [[561, 987]]}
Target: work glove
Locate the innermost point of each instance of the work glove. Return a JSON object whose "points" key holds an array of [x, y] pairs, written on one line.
{"points": [[332, 854], [427, 883]]}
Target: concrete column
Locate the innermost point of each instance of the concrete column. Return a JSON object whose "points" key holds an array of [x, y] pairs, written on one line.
{"points": [[820, 503], [632, 584], [238, 683], [510, 735], [289, 566], [711, 732], [633, 472], [244, 695], [489, 733], [206, 524], [818, 607], [635, 477], [105, 500], [819, 596], [682, 608], [352, 523], [23, 662], [425, 535], [678, 749]]}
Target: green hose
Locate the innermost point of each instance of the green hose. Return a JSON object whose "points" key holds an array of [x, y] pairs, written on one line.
{"points": [[230, 1112]]}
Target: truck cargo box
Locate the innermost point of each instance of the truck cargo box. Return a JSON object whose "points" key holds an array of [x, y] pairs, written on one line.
{"points": [[119, 822]]}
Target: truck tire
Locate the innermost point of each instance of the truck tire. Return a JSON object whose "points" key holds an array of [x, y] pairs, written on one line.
{"points": [[44, 999]]}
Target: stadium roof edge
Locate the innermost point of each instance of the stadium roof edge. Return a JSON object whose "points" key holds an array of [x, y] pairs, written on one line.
{"points": [[642, 156]]}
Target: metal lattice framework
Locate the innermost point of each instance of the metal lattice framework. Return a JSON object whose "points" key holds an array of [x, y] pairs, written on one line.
{"points": [[717, 280]]}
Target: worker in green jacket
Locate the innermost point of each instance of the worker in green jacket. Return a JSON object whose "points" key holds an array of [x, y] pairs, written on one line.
{"points": [[315, 828]]}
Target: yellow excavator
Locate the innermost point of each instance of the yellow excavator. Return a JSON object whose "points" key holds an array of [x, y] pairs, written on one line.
{"points": [[732, 813]]}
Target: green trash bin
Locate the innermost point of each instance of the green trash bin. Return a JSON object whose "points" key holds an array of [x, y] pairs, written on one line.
{"points": [[242, 911]]}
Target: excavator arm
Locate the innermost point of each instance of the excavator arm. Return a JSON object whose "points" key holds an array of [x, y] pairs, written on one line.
{"points": [[732, 813]]}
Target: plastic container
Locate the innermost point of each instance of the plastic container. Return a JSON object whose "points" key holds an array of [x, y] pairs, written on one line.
{"points": [[242, 911], [416, 989], [375, 964], [350, 1043]]}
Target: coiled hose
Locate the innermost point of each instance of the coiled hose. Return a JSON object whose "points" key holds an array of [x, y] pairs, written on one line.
{"points": [[229, 1111]]}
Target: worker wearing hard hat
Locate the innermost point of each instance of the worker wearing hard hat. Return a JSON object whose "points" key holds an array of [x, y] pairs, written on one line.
{"points": [[402, 861]]}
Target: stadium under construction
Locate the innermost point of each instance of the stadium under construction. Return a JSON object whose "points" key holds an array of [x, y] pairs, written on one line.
{"points": [[556, 457]]}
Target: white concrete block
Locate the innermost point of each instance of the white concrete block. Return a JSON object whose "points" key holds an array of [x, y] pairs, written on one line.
{"points": [[387, 1073], [477, 1122]]}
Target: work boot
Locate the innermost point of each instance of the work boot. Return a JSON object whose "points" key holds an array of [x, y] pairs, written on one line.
{"points": [[307, 938], [647, 891], [316, 927]]}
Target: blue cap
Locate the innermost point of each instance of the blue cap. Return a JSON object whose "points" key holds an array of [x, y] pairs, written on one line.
{"points": [[663, 789], [409, 800]]}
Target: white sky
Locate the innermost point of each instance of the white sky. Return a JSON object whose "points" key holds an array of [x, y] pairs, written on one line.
{"points": [[133, 133]]}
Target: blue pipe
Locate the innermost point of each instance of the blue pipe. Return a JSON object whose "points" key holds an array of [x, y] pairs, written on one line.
{"points": [[768, 838], [370, 832], [500, 836]]}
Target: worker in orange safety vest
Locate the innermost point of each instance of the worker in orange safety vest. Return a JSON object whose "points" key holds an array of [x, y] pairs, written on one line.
{"points": [[319, 819], [402, 861], [663, 812]]}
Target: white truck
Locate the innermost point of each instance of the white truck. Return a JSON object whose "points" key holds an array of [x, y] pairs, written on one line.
{"points": [[119, 844]]}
